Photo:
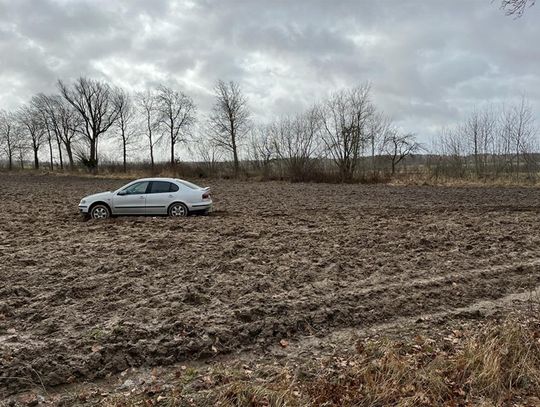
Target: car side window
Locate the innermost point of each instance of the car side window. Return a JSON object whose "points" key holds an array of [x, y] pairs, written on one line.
{"points": [[160, 187], [136, 189], [173, 187]]}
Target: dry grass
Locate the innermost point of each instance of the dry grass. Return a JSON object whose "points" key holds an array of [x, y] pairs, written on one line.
{"points": [[420, 180], [193, 171], [496, 365], [501, 362], [493, 366], [318, 173]]}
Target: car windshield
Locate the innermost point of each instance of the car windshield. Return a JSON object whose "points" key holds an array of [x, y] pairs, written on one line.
{"points": [[188, 184]]}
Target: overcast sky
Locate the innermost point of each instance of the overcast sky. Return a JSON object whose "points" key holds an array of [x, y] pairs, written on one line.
{"points": [[429, 61]]}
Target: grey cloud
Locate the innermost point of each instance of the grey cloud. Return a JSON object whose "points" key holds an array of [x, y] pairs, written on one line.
{"points": [[428, 61]]}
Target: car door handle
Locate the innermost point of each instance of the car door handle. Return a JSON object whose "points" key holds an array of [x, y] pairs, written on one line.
{"points": [[170, 196], [141, 197]]}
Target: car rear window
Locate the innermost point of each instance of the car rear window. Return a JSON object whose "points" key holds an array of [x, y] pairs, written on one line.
{"points": [[188, 184]]}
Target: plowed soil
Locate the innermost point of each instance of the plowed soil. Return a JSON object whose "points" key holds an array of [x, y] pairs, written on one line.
{"points": [[81, 299]]}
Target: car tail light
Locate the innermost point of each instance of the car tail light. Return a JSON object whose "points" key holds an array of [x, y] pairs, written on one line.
{"points": [[206, 195]]}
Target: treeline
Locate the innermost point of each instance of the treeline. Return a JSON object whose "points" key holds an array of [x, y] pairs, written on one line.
{"points": [[333, 136], [344, 138], [73, 121], [492, 143]]}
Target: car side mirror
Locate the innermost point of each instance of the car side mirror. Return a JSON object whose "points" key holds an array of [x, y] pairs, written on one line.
{"points": [[121, 193]]}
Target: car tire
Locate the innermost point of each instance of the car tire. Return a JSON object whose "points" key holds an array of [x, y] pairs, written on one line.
{"points": [[100, 211], [178, 210]]}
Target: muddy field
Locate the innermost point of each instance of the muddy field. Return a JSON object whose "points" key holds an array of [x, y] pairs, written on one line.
{"points": [[81, 299]]}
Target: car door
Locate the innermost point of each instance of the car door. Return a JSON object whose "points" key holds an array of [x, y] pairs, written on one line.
{"points": [[159, 197], [131, 200]]}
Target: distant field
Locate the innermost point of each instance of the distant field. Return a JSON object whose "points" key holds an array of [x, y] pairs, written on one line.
{"points": [[80, 299]]}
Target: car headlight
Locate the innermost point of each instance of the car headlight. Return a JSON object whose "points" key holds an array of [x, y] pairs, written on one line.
{"points": [[83, 201]]}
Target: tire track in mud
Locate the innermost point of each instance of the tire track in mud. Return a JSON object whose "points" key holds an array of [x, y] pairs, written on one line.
{"points": [[493, 272], [83, 300], [474, 309], [411, 325], [357, 308], [362, 307]]}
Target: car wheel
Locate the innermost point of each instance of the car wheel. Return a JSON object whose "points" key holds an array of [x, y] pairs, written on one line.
{"points": [[100, 212], [178, 210]]}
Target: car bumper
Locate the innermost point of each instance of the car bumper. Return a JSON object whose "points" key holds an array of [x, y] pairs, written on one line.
{"points": [[201, 206], [83, 209]]}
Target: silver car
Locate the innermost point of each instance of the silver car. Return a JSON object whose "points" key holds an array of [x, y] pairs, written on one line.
{"points": [[149, 196]]}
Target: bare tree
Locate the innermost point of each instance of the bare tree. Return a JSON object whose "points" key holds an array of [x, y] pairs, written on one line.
{"points": [[67, 123], [345, 119], [488, 128], [296, 142], [8, 136], [147, 103], [453, 147], [62, 120], [516, 7], [176, 115], [40, 104], [492, 141], [378, 127], [125, 122], [94, 101], [22, 146], [520, 124], [31, 122], [478, 132], [399, 146], [206, 150], [51, 108], [262, 148], [229, 121]]}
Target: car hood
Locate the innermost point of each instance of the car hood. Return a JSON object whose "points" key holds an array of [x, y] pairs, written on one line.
{"points": [[100, 196]]}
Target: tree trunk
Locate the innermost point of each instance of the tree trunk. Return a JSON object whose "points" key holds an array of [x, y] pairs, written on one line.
{"points": [[10, 156], [236, 163], [172, 153], [373, 155], [151, 149], [476, 164], [235, 153], [394, 157], [149, 127], [51, 154], [92, 149], [93, 162], [517, 161], [36, 159], [96, 154], [70, 155], [125, 153], [60, 152]]}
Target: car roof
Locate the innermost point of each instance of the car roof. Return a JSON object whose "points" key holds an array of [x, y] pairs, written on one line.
{"points": [[157, 179]]}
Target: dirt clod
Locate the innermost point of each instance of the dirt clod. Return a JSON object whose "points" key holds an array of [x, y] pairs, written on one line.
{"points": [[82, 300]]}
